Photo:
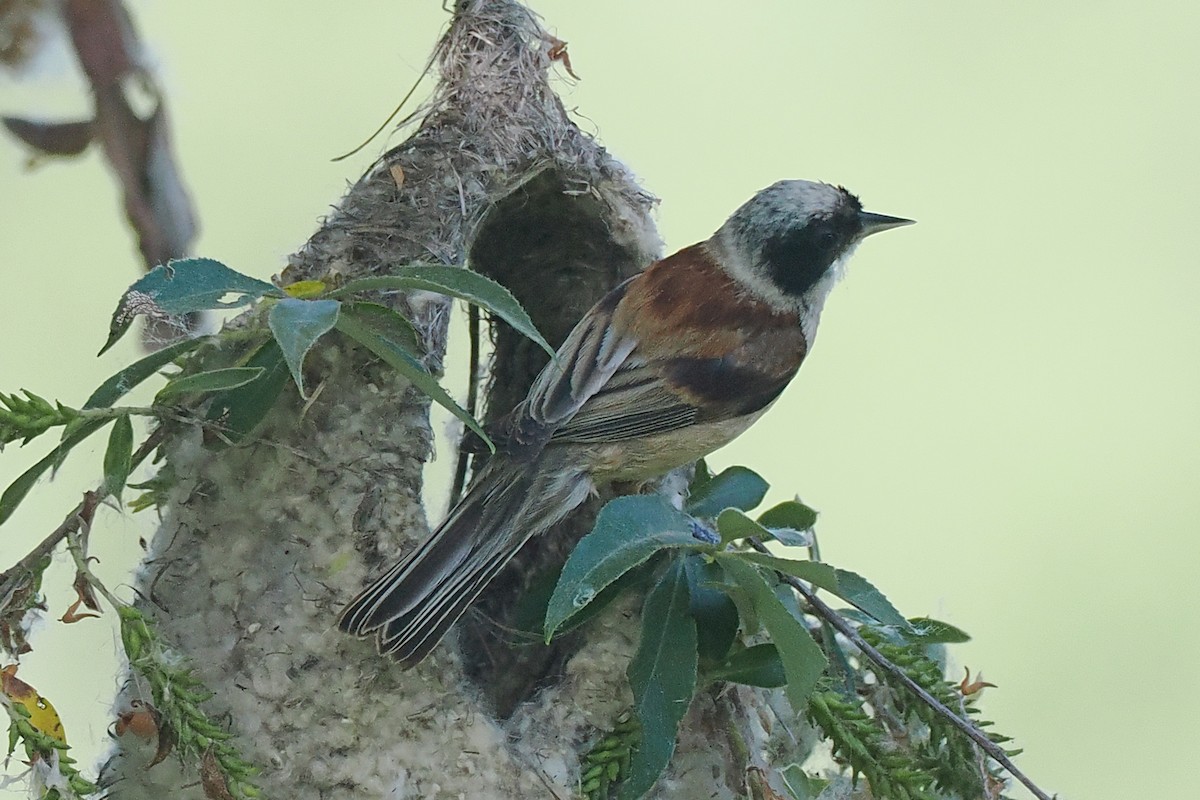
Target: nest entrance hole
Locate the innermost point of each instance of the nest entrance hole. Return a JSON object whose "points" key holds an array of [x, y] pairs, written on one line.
{"points": [[558, 251]]}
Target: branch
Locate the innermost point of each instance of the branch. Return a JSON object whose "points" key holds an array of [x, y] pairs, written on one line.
{"points": [[136, 145], [846, 629], [12, 577]]}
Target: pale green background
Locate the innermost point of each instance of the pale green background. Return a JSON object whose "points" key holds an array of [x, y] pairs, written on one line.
{"points": [[999, 424]]}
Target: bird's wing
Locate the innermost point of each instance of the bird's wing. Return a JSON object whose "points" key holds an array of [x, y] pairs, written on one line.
{"points": [[601, 386], [650, 397], [641, 362], [607, 388], [587, 361], [636, 401]]}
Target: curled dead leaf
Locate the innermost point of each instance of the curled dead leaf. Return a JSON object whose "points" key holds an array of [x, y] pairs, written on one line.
{"points": [[73, 614], [213, 779], [141, 719], [145, 721], [13, 637], [558, 52], [85, 596], [13, 686], [969, 687], [21, 32], [166, 742]]}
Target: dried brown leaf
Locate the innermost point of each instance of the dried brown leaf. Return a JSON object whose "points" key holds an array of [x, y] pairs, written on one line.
{"points": [[558, 52], [73, 615], [213, 779], [85, 593], [51, 138], [141, 719]]}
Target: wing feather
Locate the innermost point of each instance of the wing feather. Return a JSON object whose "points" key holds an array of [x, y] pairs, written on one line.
{"points": [[702, 362]]}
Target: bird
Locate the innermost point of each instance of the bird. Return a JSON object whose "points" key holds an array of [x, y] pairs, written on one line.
{"points": [[673, 363]]}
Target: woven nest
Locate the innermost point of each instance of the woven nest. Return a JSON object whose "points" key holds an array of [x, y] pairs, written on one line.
{"points": [[496, 176]]}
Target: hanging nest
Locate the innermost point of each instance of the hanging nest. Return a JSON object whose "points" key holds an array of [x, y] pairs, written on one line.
{"points": [[497, 176], [261, 546]]}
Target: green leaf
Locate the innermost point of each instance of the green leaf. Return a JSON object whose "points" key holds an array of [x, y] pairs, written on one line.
{"points": [[528, 615], [16, 491], [212, 381], [107, 393], [734, 525], [239, 410], [181, 287], [933, 631], [29, 417], [760, 665], [800, 785], [789, 514], [637, 580], [803, 661], [628, 531], [364, 327], [297, 325], [850, 586], [457, 282], [14, 736], [662, 676], [118, 456], [789, 537], [529, 611], [788, 521], [124, 381], [715, 614], [736, 487], [392, 326]]}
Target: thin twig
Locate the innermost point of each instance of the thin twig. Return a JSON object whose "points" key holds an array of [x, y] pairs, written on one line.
{"points": [[846, 629], [10, 579], [77, 547], [408, 96]]}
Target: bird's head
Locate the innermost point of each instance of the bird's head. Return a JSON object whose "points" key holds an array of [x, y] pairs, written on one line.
{"points": [[787, 245]]}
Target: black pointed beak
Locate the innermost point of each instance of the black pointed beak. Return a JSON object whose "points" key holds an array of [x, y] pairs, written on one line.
{"points": [[874, 223]]}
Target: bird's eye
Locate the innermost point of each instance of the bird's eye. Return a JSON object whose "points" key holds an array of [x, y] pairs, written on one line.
{"points": [[828, 239]]}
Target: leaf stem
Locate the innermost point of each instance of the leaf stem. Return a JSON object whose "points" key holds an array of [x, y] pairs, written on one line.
{"points": [[112, 412]]}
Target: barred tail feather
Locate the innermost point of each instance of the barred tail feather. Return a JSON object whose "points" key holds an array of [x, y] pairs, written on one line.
{"points": [[409, 638], [413, 605]]}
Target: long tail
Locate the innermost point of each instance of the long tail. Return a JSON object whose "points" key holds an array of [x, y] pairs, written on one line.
{"points": [[414, 603]]}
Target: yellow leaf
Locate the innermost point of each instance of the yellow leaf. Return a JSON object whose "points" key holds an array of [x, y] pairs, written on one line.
{"points": [[41, 713], [303, 290]]}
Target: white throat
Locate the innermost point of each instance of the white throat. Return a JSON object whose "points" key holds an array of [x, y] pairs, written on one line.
{"points": [[813, 301]]}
